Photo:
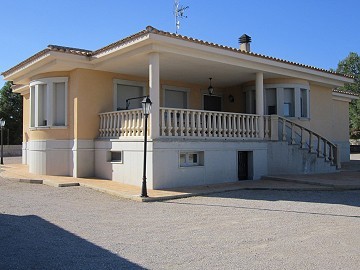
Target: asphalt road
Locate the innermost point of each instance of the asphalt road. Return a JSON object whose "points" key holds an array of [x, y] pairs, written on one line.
{"points": [[43, 227]]}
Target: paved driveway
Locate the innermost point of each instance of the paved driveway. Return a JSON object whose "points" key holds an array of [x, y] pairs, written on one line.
{"points": [[43, 227]]}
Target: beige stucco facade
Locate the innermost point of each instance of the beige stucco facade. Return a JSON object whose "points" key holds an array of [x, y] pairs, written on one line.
{"points": [[97, 139]]}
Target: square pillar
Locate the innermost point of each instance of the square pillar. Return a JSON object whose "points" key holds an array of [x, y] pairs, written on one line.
{"points": [[154, 93], [259, 89]]}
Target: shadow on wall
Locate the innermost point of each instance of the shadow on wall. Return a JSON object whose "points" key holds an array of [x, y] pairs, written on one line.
{"points": [[30, 242]]}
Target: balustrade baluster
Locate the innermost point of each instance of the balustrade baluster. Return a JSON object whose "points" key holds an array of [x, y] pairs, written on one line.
{"points": [[266, 128], [256, 127], [325, 150], [284, 130], [122, 128], [302, 139], [101, 125], [162, 129], [331, 154], [215, 125], [175, 119], [247, 126], [234, 126], [198, 124], [108, 124], [192, 123], [169, 128], [225, 125], [220, 125], [243, 126], [239, 129], [318, 150], [292, 133], [310, 142], [187, 124], [209, 124], [181, 119], [203, 133], [251, 127]]}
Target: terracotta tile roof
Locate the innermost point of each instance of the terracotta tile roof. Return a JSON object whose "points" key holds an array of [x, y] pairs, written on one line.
{"points": [[150, 29], [345, 92], [154, 30], [70, 50], [30, 59]]}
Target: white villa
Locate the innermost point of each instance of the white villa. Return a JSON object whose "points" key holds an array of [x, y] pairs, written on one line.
{"points": [[265, 115]]}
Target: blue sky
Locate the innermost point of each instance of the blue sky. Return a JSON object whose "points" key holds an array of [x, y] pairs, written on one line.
{"points": [[314, 32]]}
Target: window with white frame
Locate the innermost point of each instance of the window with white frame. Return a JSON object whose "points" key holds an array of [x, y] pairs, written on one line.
{"points": [[48, 102], [304, 108], [124, 90], [271, 101], [190, 159], [289, 102], [175, 97], [284, 99]]}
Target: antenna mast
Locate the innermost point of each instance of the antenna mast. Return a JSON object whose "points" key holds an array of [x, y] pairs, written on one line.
{"points": [[179, 14]]}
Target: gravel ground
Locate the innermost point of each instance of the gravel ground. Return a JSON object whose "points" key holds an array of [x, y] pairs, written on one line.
{"points": [[43, 227]]}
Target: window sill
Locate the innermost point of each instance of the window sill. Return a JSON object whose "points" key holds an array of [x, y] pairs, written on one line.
{"points": [[48, 127]]}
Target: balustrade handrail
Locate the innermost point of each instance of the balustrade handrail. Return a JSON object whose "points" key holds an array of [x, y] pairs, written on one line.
{"points": [[306, 129], [206, 111], [178, 122], [329, 151], [121, 123], [121, 111]]}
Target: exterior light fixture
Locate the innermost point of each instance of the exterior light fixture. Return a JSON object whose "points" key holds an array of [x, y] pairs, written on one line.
{"points": [[210, 88], [146, 106], [2, 124]]}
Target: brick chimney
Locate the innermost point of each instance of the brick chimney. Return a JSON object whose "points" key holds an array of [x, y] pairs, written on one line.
{"points": [[244, 41]]}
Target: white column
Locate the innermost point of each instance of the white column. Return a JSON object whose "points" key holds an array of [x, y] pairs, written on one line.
{"points": [[260, 93], [154, 92], [36, 105], [260, 101], [297, 109], [49, 104], [280, 101]]}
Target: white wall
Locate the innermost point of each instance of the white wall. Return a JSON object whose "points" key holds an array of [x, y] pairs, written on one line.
{"points": [[220, 162], [60, 157], [290, 159], [130, 170], [163, 168]]}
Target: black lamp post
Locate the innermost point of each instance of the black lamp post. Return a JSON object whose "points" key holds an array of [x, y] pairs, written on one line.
{"points": [[2, 124], [146, 106]]}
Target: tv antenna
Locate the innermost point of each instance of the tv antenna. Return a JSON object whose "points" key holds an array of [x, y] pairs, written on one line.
{"points": [[179, 14]]}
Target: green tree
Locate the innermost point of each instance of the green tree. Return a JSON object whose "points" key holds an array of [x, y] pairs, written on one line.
{"points": [[351, 66], [11, 111]]}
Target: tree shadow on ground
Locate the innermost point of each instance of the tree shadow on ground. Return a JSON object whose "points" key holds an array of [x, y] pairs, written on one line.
{"points": [[348, 198], [30, 242]]}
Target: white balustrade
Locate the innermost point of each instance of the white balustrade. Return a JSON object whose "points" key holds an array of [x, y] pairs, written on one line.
{"points": [[196, 123], [127, 123], [315, 143]]}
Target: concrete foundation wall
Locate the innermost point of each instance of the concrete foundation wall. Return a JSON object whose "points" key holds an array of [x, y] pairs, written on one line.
{"points": [[60, 157], [290, 159], [220, 162], [130, 169]]}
